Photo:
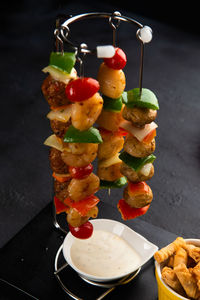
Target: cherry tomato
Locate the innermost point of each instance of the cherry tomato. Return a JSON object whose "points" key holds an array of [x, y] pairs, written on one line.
{"points": [[128, 212], [118, 61], [81, 172], [82, 232], [81, 89]]}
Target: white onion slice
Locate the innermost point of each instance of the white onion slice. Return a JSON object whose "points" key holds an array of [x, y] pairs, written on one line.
{"points": [[52, 141], [110, 161], [145, 170], [139, 133], [105, 51], [62, 115], [59, 75]]}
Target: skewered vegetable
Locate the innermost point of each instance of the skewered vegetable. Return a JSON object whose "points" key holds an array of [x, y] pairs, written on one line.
{"points": [[138, 116], [84, 114], [82, 232], [64, 62], [81, 89], [71, 157], [138, 195], [81, 172], [138, 149], [128, 212], [81, 188], [74, 135], [112, 144], [112, 104], [118, 61], [134, 162], [104, 184], [112, 82], [146, 99]]}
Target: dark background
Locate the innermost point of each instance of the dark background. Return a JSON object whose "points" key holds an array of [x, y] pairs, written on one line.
{"points": [[171, 70]]}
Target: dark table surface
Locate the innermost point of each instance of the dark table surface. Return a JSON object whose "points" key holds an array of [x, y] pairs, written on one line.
{"points": [[171, 70]]}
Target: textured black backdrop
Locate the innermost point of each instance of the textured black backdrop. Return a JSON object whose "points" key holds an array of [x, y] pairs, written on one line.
{"points": [[172, 69]]}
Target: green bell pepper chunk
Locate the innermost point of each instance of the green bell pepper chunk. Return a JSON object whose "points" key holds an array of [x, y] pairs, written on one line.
{"points": [[136, 163], [73, 135], [104, 184], [147, 99], [64, 62], [112, 104]]}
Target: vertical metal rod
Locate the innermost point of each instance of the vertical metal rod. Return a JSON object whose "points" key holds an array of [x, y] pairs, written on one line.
{"points": [[82, 52], [55, 222], [81, 69], [141, 67], [114, 26], [114, 37], [57, 30], [57, 45]]}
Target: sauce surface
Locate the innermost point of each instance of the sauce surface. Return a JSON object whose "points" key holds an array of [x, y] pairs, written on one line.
{"points": [[104, 255]]}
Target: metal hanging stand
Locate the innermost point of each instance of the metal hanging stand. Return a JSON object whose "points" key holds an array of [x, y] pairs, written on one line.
{"points": [[62, 32], [109, 286]]}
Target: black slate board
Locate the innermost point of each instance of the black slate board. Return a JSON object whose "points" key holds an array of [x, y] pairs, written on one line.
{"points": [[27, 261]]}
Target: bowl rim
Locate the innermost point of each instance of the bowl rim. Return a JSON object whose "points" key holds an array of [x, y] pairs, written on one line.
{"points": [[103, 279], [158, 270]]}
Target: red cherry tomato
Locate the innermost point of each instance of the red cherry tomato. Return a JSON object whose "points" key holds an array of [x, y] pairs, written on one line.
{"points": [[82, 232], [81, 89], [81, 172], [118, 61]]}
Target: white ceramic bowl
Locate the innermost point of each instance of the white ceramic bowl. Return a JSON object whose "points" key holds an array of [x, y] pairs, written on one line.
{"points": [[164, 291], [142, 246]]}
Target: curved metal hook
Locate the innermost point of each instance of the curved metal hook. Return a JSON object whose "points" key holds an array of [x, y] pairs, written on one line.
{"points": [[64, 30], [116, 16], [59, 42], [114, 26]]}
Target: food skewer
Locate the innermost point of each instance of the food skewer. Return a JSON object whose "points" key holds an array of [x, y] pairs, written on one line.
{"points": [[112, 84], [83, 145], [139, 113], [75, 105], [71, 155]]}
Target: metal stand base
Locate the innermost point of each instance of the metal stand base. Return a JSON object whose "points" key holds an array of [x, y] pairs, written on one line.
{"points": [[109, 285]]}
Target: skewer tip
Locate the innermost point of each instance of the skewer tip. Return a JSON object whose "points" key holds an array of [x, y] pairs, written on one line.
{"points": [[145, 34]]}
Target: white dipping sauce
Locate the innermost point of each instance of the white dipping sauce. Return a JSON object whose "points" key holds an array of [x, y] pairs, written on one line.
{"points": [[104, 255]]}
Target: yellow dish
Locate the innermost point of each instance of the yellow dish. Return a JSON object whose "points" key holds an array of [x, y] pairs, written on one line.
{"points": [[164, 291]]}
